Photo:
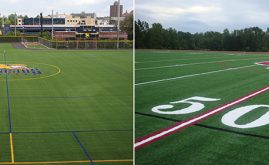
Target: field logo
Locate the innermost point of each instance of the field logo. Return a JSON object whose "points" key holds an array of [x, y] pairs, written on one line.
{"points": [[18, 69], [263, 63]]}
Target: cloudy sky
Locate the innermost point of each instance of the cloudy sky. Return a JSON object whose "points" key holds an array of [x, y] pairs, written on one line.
{"points": [[204, 15], [34, 7]]}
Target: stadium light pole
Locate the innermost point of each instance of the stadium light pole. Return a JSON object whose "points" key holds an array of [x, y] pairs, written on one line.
{"points": [[3, 22], [41, 25], [52, 25], [15, 24], [118, 26]]}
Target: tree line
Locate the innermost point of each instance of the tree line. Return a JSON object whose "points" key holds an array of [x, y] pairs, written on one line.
{"points": [[156, 37], [10, 19]]}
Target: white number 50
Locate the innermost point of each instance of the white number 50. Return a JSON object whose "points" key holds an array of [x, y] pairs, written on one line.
{"points": [[231, 117], [194, 106]]}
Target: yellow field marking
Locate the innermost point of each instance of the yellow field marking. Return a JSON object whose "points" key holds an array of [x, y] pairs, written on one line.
{"points": [[74, 161], [36, 78], [11, 148]]}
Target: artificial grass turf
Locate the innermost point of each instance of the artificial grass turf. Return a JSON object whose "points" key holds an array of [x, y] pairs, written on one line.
{"points": [[92, 92], [199, 145], [202, 146]]}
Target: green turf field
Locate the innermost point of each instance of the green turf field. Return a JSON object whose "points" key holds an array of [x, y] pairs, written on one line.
{"points": [[68, 107], [166, 84]]}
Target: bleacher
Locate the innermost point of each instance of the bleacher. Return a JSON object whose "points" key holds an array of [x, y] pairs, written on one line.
{"points": [[46, 21]]}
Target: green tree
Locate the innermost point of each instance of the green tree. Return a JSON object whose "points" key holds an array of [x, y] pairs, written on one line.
{"points": [[11, 19], [127, 26], [226, 39], [46, 35], [12, 33], [156, 36], [141, 34]]}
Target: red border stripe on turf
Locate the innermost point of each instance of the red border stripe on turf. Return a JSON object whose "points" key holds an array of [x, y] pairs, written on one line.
{"points": [[157, 135]]}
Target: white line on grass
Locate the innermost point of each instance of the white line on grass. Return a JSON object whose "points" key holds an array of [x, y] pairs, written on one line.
{"points": [[186, 59], [180, 125], [45, 46], [197, 63], [210, 57], [192, 75]]}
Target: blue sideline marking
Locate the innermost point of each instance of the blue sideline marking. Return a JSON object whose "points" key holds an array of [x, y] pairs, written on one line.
{"points": [[83, 131], [60, 132], [82, 147], [8, 98]]}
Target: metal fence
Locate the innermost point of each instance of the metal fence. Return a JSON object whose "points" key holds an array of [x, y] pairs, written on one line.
{"points": [[5, 39], [72, 44], [86, 44]]}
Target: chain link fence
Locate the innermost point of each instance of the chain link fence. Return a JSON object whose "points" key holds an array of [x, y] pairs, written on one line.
{"points": [[6, 39], [72, 44], [86, 44]]}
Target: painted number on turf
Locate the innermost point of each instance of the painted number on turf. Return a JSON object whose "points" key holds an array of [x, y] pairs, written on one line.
{"points": [[231, 117], [228, 119], [194, 102]]}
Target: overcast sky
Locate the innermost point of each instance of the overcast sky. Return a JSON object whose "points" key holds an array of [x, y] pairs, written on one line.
{"points": [[204, 15], [34, 7]]}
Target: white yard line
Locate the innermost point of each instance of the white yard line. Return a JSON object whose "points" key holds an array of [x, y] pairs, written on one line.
{"points": [[23, 43], [186, 59], [219, 56], [192, 75], [180, 125], [197, 63], [44, 45]]}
